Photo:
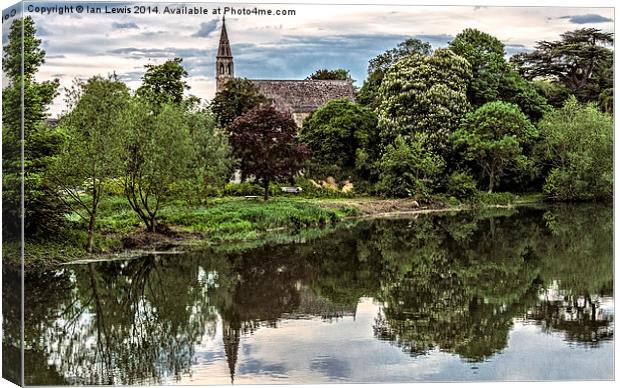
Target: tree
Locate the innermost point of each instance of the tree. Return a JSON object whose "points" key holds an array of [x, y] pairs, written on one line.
{"points": [[579, 61], [408, 168], [238, 97], [157, 153], [338, 132], [494, 136], [265, 142], [42, 209], [577, 150], [336, 74], [91, 152], [164, 83], [213, 161], [492, 78], [379, 65], [424, 94], [485, 54]]}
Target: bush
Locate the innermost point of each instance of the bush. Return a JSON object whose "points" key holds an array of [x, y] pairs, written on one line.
{"points": [[461, 185], [408, 169], [242, 189], [484, 198], [577, 150]]}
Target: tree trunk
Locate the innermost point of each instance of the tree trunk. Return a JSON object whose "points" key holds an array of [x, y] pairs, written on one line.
{"points": [[91, 228], [266, 186], [152, 225], [491, 178]]}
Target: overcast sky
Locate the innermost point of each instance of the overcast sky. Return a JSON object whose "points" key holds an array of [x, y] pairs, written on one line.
{"points": [[279, 47]]}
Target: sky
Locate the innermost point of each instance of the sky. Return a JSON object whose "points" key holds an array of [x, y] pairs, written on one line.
{"points": [[81, 45]]}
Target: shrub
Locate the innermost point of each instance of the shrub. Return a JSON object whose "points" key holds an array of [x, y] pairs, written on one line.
{"points": [[461, 185]]}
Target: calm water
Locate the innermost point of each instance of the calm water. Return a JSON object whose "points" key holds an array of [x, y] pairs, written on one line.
{"points": [[522, 294]]}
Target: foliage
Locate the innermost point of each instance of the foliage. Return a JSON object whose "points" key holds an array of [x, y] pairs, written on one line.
{"points": [[378, 66], [238, 97], [42, 209], [326, 74], [212, 154], [91, 150], [408, 168], [336, 133], [577, 148], [157, 154], [164, 83], [461, 185], [424, 94], [555, 92], [265, 141], [495, 136], [579, 61], [493, 79], [485, 54]]}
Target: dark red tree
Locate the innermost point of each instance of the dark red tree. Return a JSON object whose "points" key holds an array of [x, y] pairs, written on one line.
{"points": [[265, 140]]}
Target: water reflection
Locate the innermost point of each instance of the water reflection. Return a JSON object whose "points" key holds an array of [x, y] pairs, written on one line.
{"points": [[438, 286]]}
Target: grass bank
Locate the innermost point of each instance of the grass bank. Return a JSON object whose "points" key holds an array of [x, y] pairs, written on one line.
{"points": [[230, 222]]}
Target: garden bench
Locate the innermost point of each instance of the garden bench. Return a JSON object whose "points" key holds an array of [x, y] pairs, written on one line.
{"points": [[251, 197], [293, 190]]}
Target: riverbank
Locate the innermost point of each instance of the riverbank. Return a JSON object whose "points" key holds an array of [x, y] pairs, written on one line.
{"points": [[229, 223]]}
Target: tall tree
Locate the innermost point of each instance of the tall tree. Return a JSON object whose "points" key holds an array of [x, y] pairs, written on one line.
{"points": [[265, 141], [42, 211], [339, 134], [91, 153], [165, 82], [212, 157], [424, 94], [492, 77], [494, 136], [157, 154], [326, 74], [238, 96], [377, 67], [580, 61]]}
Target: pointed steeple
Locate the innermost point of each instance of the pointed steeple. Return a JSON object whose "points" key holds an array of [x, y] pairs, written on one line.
{"points": [[224, 65], [223, 49], [231, 337]]}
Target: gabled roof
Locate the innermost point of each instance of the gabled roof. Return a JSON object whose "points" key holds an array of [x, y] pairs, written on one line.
{"points": [[304, 96]]}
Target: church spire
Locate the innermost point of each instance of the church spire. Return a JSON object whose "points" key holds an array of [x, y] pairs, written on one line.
{"points": [[224, 66]]}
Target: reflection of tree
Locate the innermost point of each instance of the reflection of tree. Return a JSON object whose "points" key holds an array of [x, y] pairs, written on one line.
{"points": [[449, 283]]}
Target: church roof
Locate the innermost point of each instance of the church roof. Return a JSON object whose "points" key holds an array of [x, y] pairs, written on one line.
{"points": [[304, 96]]}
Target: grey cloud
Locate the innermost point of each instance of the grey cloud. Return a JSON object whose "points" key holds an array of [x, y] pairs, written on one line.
{"points": [[206, 29], [42, 31], [587, 18], [515, 48], [129, 25], [254, 366]]}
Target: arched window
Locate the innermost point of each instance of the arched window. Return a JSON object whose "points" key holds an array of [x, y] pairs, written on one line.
{"points": [[229, 71], [221, 68]]}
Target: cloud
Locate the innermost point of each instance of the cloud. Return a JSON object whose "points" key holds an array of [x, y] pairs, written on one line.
{"points": [[589, 18], [128, 25], [331, 367], [206, 29]]}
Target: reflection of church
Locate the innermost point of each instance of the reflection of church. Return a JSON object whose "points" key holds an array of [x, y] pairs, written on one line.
{"points": [[299, 97]]}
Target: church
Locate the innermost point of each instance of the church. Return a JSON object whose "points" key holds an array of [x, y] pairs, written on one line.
{"points": [[298, 97]]}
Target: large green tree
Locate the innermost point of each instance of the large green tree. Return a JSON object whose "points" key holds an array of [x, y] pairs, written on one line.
{"points": [[580, 61], [165, 82], [493, 78], [212, 157], [377, 67], [91, 153], [42, 210], [494, 136], [238, 96], [157, 156], [341, 136], [577, 151], [265, 141], [424, 94]]}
